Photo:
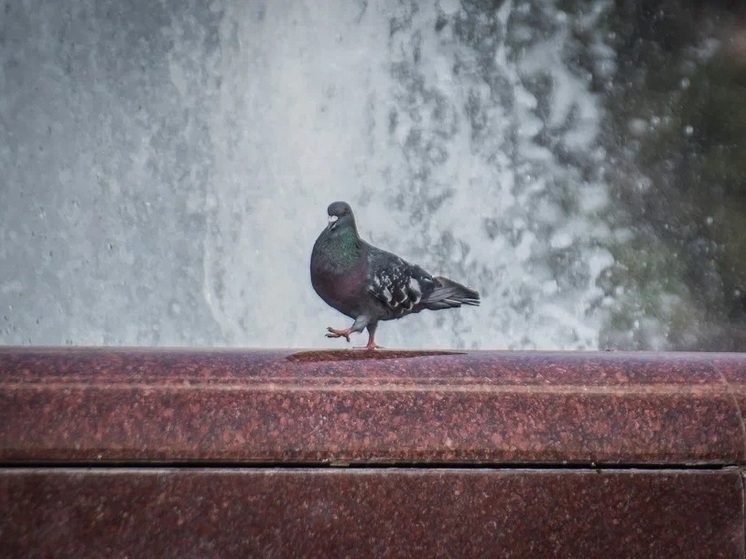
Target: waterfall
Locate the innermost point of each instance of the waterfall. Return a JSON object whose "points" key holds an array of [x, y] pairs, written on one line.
{"points": [[169, 166]]}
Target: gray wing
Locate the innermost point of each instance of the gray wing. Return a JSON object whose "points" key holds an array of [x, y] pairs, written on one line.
{"points": [[396, 283]]}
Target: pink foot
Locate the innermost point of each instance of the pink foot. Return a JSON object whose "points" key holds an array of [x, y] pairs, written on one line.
{"points": [[332, 333], [371, 345]]}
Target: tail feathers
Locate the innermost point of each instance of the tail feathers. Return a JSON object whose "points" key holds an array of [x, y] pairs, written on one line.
{"points": [[450, 294]]}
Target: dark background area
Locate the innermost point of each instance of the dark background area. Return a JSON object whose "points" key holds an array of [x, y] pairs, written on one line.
{"points": [[677, 134]]}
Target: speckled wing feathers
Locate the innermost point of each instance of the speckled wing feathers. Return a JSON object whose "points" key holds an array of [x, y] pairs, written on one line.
{"points": [[399, 285]]}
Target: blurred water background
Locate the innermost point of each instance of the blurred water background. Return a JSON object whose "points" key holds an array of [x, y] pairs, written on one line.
{"points": [[165, 167]]}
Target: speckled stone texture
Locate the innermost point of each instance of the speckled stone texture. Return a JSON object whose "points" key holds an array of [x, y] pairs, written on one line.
{"points": [[495, 454], [370, 513], [339, 407]]}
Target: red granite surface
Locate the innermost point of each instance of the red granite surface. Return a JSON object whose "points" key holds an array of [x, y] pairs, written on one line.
{"points": [[655, 414], [338, 407], [370, 513]]}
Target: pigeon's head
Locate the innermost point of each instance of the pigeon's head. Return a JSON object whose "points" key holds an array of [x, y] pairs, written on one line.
{"points": [[340, 216]]}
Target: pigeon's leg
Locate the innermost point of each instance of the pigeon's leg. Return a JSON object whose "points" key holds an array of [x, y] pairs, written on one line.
{"points": [[333, 333], [371, 337], [358, 326]]}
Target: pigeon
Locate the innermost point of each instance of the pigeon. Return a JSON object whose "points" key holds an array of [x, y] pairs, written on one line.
{"points": [[369, 284]]}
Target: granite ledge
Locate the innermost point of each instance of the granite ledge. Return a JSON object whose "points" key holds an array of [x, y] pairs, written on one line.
{"points": [[101, 405], [213, 512]]}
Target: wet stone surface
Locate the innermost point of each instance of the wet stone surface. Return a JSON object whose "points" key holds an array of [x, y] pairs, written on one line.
{"points": [[386, 406], [453, 454], [371, 513]]}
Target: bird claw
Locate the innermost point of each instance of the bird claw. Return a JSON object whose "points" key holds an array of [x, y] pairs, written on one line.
{"points": [[370, 347], [332, 333]]}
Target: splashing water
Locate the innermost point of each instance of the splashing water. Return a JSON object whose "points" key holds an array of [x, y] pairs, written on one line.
{"points": [[191, 155]]}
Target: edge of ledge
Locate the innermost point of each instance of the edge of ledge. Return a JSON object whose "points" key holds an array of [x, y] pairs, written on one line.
{"points": [[281, 407]]}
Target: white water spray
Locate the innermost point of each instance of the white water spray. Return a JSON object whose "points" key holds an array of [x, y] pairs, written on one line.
{"points": [[204, 145]]}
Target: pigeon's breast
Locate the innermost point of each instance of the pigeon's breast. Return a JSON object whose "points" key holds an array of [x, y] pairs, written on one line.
{"points": [[343, 290]]}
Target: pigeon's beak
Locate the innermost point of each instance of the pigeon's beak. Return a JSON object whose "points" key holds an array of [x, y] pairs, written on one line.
{"points": [[332, 220]]}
